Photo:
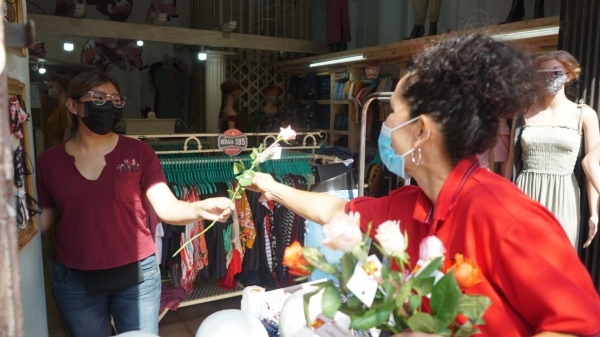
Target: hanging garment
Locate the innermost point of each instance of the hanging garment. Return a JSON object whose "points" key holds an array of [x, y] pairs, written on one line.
{"points": [[338, 22], [130, 81], [549, 157]]}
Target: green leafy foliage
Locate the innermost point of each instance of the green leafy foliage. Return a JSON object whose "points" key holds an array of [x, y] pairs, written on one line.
{"points": [[331, 302], [422, 322], [369, 318], [444, 299]]}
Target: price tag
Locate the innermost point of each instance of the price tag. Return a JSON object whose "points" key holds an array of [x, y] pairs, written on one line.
{"points": [[363, 283], [326, 327], [232, 142]]}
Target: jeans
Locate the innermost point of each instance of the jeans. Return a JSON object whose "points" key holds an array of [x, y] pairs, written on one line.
{"points": [[89, 315]]}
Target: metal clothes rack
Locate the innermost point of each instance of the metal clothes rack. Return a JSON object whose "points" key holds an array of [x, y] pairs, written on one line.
{"points": [[310, 142], [382, 96], [209, 291]]}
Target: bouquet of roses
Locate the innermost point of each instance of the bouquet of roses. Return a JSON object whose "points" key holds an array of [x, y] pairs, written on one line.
{"points": [[426, 298]]}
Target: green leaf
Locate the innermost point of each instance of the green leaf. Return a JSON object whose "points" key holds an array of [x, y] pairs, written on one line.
{"points": [[473, 306], [261, 148], [249, 173], [238, 197], [435, 264], [404, 292], [369, 319], [354, 303], [306, 300], [317, 260], [444, 299], [422, 322], [388, 287], [415, 302], [348, 265], [231, 193], [253, 156], [466, 330], [424, 286], [331, 302], [238, 167]]}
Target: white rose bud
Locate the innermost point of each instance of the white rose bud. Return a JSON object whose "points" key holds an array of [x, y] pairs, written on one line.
{"points": [[287, 133], [343, 232], [430, 248], [391, 239]]}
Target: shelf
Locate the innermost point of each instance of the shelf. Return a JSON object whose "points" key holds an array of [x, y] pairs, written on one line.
{"points": [[319, 101]]}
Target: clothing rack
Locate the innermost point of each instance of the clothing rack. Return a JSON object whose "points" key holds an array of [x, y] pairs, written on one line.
{"points": [[208, 290]]}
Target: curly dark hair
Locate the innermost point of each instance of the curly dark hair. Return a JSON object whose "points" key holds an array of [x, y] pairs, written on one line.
{"points": [[467, 84]]}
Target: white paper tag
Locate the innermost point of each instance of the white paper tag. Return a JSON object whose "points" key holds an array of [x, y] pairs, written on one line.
{"points": [[276, 153], [363, 283], [326, 327]]}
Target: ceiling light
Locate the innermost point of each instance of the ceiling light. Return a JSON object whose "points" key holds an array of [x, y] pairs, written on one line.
{"points": [[526, 34], [68, 46], [41, 68], [202, 54], [338, 60], [140, 43]]}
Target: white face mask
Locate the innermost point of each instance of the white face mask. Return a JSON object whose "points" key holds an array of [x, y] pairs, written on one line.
{"points": [[53, 93]]}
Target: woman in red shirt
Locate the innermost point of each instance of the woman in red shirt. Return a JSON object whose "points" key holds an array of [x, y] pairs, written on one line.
{"points": [[97, 181], [445, 111]]}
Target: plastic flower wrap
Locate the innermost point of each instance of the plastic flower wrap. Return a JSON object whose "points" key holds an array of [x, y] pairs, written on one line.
{"points": [[427, 297]]}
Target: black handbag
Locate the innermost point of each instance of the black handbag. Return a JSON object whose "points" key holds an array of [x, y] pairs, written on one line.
{"points": [[114, 279]]}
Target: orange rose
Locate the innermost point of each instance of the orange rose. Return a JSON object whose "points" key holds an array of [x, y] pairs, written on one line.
{"points": [[293, 259], [466, 272]]}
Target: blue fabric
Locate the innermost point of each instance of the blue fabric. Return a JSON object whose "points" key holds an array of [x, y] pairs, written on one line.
{"points": [[314, 236], [132, 309]]}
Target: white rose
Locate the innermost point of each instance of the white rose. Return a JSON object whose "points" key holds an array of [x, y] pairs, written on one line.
{"points": [[343, 232], [287, 133], [391, 239]]}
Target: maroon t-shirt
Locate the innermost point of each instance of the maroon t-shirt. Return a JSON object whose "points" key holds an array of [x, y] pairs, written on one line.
{"points": [[102, 222]]}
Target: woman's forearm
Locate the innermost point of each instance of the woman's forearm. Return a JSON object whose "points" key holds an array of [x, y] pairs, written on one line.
{"points": [[317, 207]]}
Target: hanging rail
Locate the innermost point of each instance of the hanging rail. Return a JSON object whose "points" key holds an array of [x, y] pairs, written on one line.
{"points": [[382, 96], [309, 142]]}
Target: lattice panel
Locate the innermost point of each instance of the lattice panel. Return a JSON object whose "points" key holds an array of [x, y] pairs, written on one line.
{"points": [[254, 70]]}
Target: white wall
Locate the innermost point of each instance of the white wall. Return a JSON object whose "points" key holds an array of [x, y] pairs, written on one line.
{"points": [[30, 257], [384, 21]]}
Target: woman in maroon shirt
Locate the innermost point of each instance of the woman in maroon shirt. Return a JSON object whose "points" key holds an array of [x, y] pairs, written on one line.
{"points": [[445, 111], [97, 181]]}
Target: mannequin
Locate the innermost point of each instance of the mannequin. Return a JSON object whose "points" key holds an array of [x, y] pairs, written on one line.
{"points": [[517, 10], [420, 9], [273, 114], [550, 140], [228, 116]]}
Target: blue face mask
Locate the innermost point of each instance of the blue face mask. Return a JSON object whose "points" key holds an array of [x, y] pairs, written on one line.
{"points": [[393, 162]]}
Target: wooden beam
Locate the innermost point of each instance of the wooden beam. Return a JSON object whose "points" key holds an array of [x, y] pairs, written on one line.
{"points": [[407, 48], [48, 24]]}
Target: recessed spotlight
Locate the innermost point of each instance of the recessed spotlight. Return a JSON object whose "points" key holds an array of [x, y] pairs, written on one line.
{"points": [[68, 46], [202, 54], [140, 43]]}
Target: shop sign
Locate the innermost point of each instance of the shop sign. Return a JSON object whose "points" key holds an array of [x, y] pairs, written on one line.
{"points": [[341, 75], [372, 70], [232, 142]]}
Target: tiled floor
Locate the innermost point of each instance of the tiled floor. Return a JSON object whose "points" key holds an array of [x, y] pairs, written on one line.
{"points": [[185, 321]]}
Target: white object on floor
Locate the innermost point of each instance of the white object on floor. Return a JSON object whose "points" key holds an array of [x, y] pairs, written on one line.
{"points": [[253, 301], [136, 334], [231, 322]]}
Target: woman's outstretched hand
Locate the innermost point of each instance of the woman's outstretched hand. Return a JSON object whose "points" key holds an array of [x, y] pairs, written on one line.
{"points": [[262, 183], [215, 209]]}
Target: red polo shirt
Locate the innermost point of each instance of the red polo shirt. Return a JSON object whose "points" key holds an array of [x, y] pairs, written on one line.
{"points": [[102, 222], [530, 271]]}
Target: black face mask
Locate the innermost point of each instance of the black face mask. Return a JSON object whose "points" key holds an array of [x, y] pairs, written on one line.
{"points": [[101, 119]]}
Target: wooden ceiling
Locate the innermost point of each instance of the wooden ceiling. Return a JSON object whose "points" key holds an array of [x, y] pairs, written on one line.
{"points": [[196, 37], [403, 51]]}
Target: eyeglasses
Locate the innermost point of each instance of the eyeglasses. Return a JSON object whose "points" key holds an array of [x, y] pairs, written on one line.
{"points": [[100, 97]]}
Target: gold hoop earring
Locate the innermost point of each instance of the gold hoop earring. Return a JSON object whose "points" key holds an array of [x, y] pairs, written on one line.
{"points": [[416, 161]]}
